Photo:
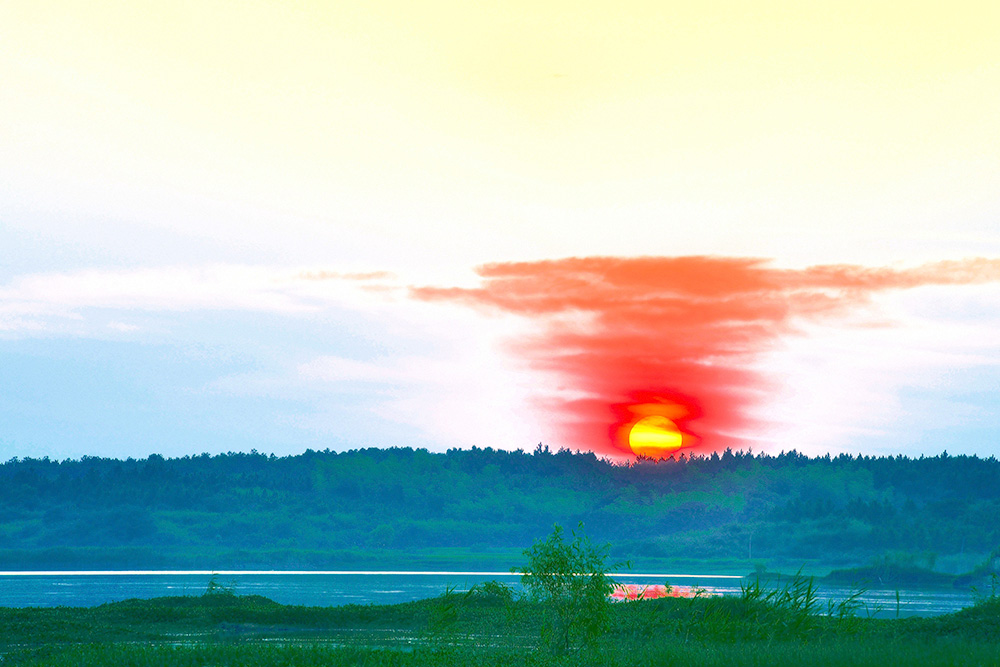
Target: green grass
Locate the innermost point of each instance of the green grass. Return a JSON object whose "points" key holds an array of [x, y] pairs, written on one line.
{"points": [[720, 655], [764, 626]]}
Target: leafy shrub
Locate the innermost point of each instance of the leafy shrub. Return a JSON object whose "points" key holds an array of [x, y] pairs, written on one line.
{"points": [[571, 580]]}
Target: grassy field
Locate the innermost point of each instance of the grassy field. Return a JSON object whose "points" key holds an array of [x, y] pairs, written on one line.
{"points": [[486, 627]]}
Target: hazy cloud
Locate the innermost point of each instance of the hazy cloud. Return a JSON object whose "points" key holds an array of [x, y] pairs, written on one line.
{"points": [[684, 333]]}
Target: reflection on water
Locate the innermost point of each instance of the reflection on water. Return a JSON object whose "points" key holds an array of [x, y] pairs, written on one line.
{"points": [[329, 589], [624, 592]]}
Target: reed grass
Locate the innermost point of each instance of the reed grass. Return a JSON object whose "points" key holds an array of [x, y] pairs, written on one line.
{"points": [[779, 654], [770, 623]]}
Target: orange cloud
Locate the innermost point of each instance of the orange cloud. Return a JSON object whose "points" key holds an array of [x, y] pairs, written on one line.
{"points": [[673, 336]]}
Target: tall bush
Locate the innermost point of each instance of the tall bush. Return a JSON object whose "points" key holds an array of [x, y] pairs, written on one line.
{"points": [[570, 579]]}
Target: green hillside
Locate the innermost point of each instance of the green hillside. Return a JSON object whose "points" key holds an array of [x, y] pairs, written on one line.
{"points": [[479, 508]]}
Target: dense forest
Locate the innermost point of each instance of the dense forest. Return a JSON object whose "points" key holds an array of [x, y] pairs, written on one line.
{"points": [[479, 508]]}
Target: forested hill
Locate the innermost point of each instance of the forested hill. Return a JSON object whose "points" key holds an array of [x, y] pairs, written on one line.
{"points": [[480, 508]]}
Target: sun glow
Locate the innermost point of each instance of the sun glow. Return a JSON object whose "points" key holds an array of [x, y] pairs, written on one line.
{"points": [[655, 436], [654, 424]]}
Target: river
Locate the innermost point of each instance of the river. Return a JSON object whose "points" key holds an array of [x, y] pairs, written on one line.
{"points": [[86, 589]]}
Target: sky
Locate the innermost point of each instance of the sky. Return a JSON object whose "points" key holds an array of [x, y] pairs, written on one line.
{"points": [[290, 225]]}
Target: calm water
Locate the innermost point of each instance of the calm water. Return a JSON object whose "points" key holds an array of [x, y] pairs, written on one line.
{"points": [[52, 589]]}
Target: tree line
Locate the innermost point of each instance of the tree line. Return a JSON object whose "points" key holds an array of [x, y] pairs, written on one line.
{"points": [[325, 507]]}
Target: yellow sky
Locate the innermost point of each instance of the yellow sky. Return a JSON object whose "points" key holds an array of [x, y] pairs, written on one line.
{"points": [[180, 155], [381, 116]]}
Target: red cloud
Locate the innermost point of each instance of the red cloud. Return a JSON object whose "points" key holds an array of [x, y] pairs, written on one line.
{"points": [[673, 335]]}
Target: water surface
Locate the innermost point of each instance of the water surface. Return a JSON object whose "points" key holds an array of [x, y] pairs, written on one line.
{"points": [[87, 589]]}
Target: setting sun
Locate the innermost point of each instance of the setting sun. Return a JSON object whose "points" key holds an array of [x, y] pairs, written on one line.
{"points": [[655, 436]]}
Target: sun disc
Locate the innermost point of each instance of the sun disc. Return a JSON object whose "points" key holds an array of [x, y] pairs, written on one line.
{"points": [[655, 436]]}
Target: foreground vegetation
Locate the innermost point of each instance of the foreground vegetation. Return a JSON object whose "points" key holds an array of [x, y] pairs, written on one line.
{"points": [[488, 626], [564, 616], [477, 509]]}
